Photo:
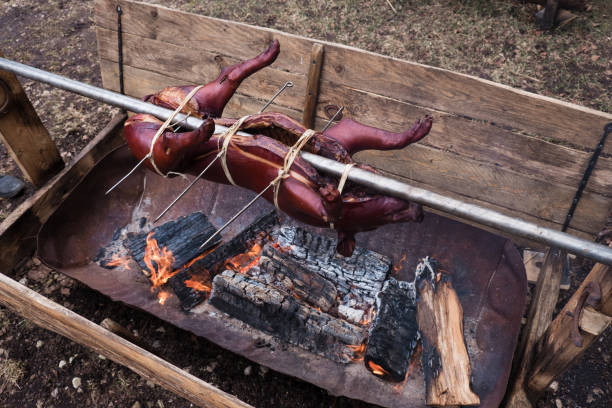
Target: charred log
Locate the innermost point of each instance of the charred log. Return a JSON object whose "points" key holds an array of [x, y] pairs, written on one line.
{"points": [[182, 236], [445, 362], [190, 296], [280, 314], [394, 331], [290, 277], [358, 278]]}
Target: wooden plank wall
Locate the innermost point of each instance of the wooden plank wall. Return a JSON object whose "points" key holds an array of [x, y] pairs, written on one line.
{"points": [[492, 145]]}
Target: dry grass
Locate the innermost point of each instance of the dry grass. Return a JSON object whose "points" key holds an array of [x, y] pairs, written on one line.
{"points": [[492, 39], [11, 372]]}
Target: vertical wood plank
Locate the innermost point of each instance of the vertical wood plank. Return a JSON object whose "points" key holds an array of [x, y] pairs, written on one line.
{"points": [[540, 315], [25, 137], [312, 86]]}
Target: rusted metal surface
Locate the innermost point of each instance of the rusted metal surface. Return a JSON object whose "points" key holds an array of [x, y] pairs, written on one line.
{"points": [[488, 274]]}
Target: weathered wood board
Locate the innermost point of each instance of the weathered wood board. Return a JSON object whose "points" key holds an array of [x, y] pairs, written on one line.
{"points": [[516, 152]]}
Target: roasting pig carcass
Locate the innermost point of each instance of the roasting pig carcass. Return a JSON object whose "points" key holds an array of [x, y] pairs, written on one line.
{"points": [[254, 161]]}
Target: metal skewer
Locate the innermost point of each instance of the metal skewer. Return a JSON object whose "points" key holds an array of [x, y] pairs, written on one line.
{"points": [[287, 84], [339, 111], [127, 175]]}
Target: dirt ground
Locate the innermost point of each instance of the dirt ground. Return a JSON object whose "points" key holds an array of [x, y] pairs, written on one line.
{"points": [[491, 39]]}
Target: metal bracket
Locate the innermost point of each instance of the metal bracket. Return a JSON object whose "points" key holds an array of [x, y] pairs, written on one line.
{"points": [[5, 98]]}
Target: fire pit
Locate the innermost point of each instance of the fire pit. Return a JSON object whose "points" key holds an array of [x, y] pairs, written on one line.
{"points": [[274, 291]]}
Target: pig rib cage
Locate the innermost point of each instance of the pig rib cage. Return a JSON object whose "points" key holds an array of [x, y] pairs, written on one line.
{"points": [[380, 183]]}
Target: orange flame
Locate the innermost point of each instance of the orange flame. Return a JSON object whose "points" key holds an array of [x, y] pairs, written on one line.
{"points": [[400, 263], [120, 261], [199, 286], [376, 369], [357, 350], [159, 261], [368, 317], [162, 297], [243, 262]]}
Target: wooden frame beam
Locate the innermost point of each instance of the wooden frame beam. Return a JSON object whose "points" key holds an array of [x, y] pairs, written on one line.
{"points": [[24, 135], [54, 317], [557, 349]]}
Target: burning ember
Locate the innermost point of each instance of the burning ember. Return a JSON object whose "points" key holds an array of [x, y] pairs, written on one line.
{"points": [[197, 285], [241, 263], [376, 369], [357, 351], [400, 264], [162, 296], [368, 317], [123, 261]]}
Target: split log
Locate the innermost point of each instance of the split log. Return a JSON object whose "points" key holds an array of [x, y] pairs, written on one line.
{"points": [[394, 332], [445, 361], [281, 315], [290, 277], [559, 348]]}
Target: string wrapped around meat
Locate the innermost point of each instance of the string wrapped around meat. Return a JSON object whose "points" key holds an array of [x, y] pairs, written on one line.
{"points": [[254, 161], [362, 209]]}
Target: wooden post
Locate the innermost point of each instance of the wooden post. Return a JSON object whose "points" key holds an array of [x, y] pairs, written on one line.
{"points": [[540, 315], [57, 318], [24, 135], [312, 87], [558, 350]]}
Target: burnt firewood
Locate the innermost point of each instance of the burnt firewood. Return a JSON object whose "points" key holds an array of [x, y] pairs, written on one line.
{"points": [[283, 316], [357, 278], [394, 332], [182, 236], [289, 276], [190, 297], [445, 361]]}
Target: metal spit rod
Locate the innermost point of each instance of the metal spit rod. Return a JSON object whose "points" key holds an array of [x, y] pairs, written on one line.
{"points": [[383, 184]]}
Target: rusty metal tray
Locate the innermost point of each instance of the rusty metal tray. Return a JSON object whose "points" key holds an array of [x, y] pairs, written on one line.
{"points": [[489, 277]]}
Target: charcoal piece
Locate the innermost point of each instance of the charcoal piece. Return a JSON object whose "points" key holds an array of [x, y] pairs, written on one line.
{"points": [[289, 276], [358, 278], [182, 236], [190, 297], [283, 316], [394, 332]]}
